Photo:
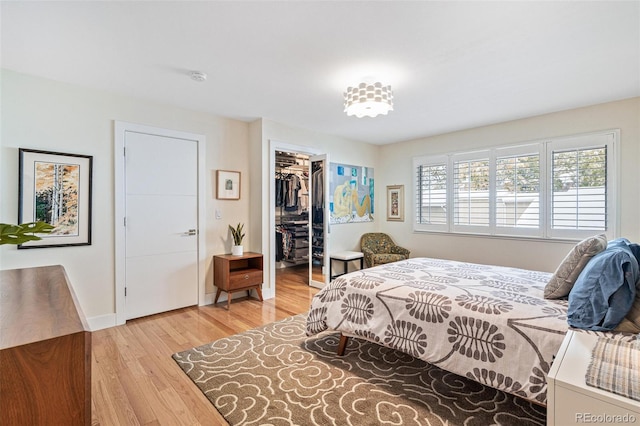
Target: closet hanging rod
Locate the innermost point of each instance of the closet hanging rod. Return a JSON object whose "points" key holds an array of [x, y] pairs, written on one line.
{"points": [[294, 168]]}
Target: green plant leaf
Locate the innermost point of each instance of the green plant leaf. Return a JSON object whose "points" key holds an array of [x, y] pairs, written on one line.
{"points": [[237, 233], [19, 234]]}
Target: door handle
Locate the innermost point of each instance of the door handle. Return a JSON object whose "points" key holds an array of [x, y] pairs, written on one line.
{"points": [[190, 232]]}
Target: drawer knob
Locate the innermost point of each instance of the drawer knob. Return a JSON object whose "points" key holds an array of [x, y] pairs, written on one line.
{"points": [[246, 277]]}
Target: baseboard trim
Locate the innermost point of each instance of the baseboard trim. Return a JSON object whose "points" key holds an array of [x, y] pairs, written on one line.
{"points": [[101, 322]]}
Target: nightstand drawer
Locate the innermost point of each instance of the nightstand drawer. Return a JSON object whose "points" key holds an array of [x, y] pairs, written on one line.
{"points": [[244, 278]]}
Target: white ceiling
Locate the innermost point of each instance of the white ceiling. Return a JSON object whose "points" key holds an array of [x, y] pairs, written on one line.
{"points": [[452, 65]]}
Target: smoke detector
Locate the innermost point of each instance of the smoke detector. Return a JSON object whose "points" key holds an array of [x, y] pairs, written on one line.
{"points": [[198, 76]]}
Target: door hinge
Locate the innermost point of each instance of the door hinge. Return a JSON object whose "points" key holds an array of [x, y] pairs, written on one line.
{"points": [[124, 151], [125, 292], [124, 220]]}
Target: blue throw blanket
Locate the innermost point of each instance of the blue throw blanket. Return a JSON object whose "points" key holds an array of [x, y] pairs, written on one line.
{"points": [[606, 288]]}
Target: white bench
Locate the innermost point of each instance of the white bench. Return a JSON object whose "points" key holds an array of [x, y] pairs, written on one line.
{"points": [[345, 257]]}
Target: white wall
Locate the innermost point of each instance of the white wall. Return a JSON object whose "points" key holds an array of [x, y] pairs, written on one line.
{"points": [[48, 115], [396, 168]]}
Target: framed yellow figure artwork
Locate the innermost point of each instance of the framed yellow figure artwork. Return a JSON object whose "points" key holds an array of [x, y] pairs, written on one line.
{"points": [[351, 193], [395, 202]]}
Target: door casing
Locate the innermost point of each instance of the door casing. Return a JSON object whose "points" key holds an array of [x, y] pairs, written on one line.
{"points": [[120, 130], [274, 146]]}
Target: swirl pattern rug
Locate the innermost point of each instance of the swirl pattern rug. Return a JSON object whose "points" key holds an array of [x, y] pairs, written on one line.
{"points": [[276, 375]]}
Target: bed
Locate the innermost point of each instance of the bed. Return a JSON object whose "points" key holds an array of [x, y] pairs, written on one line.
{"points": [[488, 323]]}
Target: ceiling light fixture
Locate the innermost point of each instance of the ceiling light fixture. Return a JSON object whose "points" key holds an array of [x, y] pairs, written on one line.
{"points": [[368, 100], [198, 76]]}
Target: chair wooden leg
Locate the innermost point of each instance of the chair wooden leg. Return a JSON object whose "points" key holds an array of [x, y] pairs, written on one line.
{"points": [[342, 345]]}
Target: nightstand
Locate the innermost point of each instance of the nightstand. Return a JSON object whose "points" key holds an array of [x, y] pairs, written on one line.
{"points": [[570, 401], [237, 273]]}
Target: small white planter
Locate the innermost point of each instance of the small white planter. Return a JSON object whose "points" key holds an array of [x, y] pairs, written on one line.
{"points": [[237, 250]]}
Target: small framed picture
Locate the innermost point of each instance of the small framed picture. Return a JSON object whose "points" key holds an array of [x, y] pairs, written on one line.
{"points": [[56, 188], [228, 185], [395, 202]]}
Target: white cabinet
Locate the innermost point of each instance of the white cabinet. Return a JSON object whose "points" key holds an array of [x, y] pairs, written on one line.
{"points": [[570, 401]]}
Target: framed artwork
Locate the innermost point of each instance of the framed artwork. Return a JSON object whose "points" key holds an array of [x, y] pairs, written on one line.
{"points": [[351, 193], [56, 188], [395, 202], [227, 185]]}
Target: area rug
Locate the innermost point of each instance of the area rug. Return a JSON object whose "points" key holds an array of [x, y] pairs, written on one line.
{"points": [[275, 375]]}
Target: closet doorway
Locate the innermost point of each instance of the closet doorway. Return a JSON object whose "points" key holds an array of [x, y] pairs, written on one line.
{"points": [[299, 229]]}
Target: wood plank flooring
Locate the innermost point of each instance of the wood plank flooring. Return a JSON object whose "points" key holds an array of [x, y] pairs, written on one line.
{"points": [[136, 382]]}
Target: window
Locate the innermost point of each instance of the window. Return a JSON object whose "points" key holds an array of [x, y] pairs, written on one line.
{"points": [[432, 190], [559, 188], [518, 191], [471, 192], [579, 197]]}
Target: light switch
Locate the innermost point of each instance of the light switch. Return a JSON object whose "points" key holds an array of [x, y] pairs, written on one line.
{"points": [[218, 214]]}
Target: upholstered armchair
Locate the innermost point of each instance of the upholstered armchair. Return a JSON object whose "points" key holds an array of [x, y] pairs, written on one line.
{"points": [[379, 248]]}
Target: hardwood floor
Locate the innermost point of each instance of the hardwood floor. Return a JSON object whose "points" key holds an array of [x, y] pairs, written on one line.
{"points": [[136, 382]]}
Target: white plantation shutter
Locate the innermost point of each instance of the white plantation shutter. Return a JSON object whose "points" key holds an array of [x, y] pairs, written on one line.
{"points": [[431, 194], [517, 197], [559, 188], [471, 195], [579, 202]]}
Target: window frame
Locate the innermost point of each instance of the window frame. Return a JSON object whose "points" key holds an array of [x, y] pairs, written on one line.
{"points": [[545, 149]]}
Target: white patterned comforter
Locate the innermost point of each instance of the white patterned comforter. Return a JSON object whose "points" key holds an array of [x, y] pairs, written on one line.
{"points": [[488, 323]]}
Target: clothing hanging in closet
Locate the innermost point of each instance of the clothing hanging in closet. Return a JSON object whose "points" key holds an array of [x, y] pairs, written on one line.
{"points": [[291, 192]]}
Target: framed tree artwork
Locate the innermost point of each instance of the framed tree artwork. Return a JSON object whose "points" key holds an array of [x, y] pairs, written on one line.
{"points": [[56, 188], [395, 202]]}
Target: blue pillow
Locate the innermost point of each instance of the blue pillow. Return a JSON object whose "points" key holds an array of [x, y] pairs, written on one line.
{"points": [[635, 249], [605, 290]]}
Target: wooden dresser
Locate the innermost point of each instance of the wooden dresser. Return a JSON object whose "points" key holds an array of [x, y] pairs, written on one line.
{"points": [[45, 350]]}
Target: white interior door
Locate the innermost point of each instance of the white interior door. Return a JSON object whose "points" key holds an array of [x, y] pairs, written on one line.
{"points": [[161, 203], [318, 223]]}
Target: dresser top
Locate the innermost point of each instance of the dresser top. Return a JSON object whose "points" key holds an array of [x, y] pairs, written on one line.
{"points": [[37, 304]]}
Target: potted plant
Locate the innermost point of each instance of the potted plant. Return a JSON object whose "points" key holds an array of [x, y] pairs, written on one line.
{"points": [[18, 234], [238, 236]]}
